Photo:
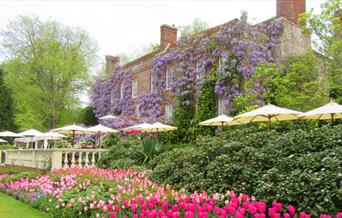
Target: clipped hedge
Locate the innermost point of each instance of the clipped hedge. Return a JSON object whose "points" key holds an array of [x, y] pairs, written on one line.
{"points": [[299, 167]]}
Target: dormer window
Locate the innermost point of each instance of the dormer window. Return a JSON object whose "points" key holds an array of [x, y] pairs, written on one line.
{"points": [[134, 88], [169, 77]]}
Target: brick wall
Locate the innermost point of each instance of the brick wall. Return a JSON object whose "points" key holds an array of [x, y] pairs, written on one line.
{"points": [[291, 9], [291, 42]]}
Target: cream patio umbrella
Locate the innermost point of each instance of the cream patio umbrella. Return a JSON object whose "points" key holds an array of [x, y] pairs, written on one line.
{"points": [[49, 136], [30, 133], [107, 117], [73, 130], [142, 127], [159, 127], [99, 129], [9, 134], [330, 111], [268, 113], [156, 128], [221, 120]]}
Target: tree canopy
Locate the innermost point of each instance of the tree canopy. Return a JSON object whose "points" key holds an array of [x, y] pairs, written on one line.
{"points": [[196, 27], [297, 84], [326, 28], [48, 66], [6, 106]]}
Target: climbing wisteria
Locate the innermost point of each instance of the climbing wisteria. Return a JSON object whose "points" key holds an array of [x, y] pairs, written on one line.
{"points": [[227, 55]]}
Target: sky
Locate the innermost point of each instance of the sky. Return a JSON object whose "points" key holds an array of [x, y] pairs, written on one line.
{"points": [[125, 26]]}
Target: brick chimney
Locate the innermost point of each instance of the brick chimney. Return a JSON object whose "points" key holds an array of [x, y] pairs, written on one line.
{"points": [[111, 62], [291, 9], [168, 34]]}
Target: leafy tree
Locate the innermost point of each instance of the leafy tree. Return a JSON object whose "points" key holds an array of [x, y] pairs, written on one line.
{"points": [[48, 65], [136, 53], [297, 84], [87, 116], [6, 106], [196, 27], [327, 30]]}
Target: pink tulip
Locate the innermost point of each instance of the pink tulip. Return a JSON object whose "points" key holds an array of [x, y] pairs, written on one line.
{"points": [[291, 209]]}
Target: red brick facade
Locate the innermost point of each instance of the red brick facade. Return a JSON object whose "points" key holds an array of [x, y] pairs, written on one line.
{"points": [[290, 42], [290, 9]]}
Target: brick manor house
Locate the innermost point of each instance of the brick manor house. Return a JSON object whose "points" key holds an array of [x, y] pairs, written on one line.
{"points": [[289, 42]]}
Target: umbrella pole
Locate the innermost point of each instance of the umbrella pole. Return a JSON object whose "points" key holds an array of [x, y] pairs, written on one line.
{"points": [[157, 135], [73, 137], [332, 119], [269, 123]]}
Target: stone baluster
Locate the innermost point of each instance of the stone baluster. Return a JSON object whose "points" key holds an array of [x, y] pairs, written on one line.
{"points": [[56, 159], [93, 158], [73, 159], [79, 159], [100, 154], [86, 162], [66, 164]]}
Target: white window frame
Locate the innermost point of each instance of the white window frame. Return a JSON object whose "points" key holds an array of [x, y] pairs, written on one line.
{"points": [[122, 90], [200, 74], [168, 111], [221, 110], [134, 88], [151, 85], [137, 110], [168, 84], [221, 63], [112, 97]]}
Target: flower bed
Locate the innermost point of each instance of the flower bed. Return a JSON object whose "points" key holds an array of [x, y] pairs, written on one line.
{"points": [[87, 192]]}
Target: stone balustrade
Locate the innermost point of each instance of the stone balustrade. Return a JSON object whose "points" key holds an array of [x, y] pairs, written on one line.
{"points": [[54, 158]]}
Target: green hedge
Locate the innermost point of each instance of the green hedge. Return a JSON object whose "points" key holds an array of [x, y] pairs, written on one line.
{"points": [[300, 167]]}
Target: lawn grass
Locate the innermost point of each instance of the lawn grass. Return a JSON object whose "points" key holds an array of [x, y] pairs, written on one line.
{"points": [[18, 169], [12, 208]]}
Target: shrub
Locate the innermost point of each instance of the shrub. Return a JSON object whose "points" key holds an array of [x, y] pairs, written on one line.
{"points": [[109, 140], [297, 166], [121, 155]]}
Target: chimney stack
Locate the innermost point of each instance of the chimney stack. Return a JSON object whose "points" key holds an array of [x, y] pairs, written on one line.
{"points": [[291, 9], [111, 63], [168, 35]]}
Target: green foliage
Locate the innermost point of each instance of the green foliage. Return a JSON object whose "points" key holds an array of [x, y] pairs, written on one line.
{"points": [[301, 167], [296, 85], [196, 27], [151, 149], [6, 106], [87, 116], [206, 109], [122, 155], [12, 208], [109, 141], [327, 29], [5, 146], [138, 52], [48, 65], [18, 169], [62, 144]]}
